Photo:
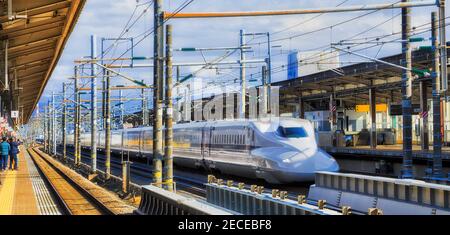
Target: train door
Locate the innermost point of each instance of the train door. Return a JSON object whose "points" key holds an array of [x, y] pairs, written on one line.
{"points": [[206, 149], [204, 143], [209, 140], [141, 143], [250, 139]]}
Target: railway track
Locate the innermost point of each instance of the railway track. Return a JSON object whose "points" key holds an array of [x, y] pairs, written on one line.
{"points": [[195, 185], [74, 194], [187, 184]]}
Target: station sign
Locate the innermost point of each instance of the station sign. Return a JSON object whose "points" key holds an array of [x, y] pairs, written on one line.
{"points": [[14, 114], [364, 108], [396, 109]]}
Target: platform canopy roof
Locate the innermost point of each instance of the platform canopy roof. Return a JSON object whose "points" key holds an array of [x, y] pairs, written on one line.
{"points": [[36, 32], [351, 83]]}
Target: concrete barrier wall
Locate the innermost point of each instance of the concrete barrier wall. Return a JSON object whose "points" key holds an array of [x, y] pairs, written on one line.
{"points": [[399, 189], [157, 201], [247, 202], [393, 194]]}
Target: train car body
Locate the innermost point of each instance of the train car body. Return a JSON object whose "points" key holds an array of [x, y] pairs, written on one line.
{"points": [[280, 151]]}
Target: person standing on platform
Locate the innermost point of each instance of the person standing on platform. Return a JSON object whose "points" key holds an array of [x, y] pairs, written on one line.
{"points": [[14, 150], [4, 149]]}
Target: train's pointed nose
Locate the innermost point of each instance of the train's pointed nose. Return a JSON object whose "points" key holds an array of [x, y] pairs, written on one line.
{"points": [[325, 162]]}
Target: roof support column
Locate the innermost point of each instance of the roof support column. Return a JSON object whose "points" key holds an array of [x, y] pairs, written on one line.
{"points": [[301, 108], [424, 142], [264, 96], [373, 118], [333, 119]]}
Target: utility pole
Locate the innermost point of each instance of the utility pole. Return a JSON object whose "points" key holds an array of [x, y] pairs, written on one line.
{"points": [[48, 127], [45, 130], [76, 122], [168, 163], [121, 109], [178, 118], [53, 124], [64, 123], [443, 45], [103, 95], [93, 106], [102, 55], [79, 121], [242, 74], [144, 107], [107, 122], [158, 71], [407, 171], [436, 169], [269, 71]]}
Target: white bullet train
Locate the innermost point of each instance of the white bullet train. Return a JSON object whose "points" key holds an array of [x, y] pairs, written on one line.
{"points": [[279, 151]]}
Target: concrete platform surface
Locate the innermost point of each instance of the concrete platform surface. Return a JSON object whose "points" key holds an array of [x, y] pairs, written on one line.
{"points": [[388, 150]]}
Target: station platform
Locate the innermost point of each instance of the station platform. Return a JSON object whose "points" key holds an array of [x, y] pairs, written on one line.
{"points": [[24, 192], [387, 151]]}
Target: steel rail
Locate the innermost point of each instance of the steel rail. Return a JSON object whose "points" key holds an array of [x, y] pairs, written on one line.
{"points": [[199, 187], [193, 186], [91, 198], [61, 203]]}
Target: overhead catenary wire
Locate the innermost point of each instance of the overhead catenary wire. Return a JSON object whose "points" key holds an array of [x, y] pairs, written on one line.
{"points": [[283, 67], [323, 28]]}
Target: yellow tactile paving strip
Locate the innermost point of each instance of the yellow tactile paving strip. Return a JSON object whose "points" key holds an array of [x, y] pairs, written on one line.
{"points": [[7, 192], [16, 192]]}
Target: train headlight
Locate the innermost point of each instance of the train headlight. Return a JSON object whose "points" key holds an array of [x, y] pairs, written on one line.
{"points": [[264, 163], [287, 160]]}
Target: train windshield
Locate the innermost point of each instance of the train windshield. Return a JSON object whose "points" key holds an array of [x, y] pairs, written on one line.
{"points": [[292, 132]]}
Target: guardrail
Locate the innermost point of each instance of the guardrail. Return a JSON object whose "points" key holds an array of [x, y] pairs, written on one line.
{"points": [[392, 196], [157, 201], [256, 202]]}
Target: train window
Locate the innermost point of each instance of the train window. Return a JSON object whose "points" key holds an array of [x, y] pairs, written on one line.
{"points": [[292, 132]]}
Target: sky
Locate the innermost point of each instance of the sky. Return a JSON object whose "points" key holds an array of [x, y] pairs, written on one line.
{"points": [[108, 18]]}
